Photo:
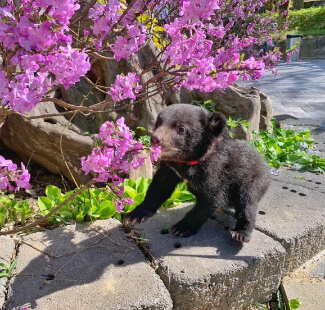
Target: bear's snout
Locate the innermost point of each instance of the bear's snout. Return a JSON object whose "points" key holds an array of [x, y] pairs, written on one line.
{"points": [[155, 139]]}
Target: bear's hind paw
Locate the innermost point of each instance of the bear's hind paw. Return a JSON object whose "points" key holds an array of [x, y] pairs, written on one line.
{"points": [[182, 231], [240, 236]]}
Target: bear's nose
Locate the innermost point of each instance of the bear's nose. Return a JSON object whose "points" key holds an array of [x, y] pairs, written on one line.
{"points": [[155, 139]]}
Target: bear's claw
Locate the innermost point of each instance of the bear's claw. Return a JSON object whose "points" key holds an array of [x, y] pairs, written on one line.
{"points": [[138, 216], [240, 236]]}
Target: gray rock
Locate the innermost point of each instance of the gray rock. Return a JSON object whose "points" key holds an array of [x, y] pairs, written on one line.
{"points": [[246, 103], [39, 140], [85, 267], [209, 270]]}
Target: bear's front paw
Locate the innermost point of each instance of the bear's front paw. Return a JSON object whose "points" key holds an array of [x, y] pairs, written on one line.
{"points": [[240, 235], [182, 230], [139, 215]]}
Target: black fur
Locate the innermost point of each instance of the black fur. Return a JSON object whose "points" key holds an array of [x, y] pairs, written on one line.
{"points": [[228, 171]]}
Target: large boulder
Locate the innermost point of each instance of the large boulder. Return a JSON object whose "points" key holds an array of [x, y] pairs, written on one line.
{"points": [[47, 141], [246, 103]]}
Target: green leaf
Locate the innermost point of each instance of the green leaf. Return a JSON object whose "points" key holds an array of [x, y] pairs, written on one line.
{"points": [[262, 307], [131, 192], [12, 266], [66, 214], [2, 219], [44, 203], [130, 183], [138, 198], [53, 192], [4, 275], [294, 303], [107, 209], [4, 266]]}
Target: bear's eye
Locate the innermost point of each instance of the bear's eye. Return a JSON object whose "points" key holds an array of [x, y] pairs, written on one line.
{"points": [[181, 129]]}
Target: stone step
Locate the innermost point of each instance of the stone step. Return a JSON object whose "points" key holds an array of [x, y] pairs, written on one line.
{"points": [[307, 283], [85, 267]]}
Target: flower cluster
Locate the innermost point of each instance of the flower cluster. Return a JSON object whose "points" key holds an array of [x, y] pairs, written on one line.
{"points": [[39, 44], [11, 178], [116, 155], [207, 49], [125, 87], [105, 17]]}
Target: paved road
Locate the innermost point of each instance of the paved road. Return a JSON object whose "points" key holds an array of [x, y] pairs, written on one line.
{"points": [[298, 90]]}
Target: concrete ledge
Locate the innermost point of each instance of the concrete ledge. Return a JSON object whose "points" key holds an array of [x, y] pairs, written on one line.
{"points": [[85, 267], [210, 270], [295, 216], [307, 283], [7, 246]]}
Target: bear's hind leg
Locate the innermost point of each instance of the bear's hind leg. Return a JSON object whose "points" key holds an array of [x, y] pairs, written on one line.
{"points": [[193, 220], [245, 214]]}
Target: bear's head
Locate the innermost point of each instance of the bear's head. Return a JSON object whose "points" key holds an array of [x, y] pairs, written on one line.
{"points": [[185, 132]]}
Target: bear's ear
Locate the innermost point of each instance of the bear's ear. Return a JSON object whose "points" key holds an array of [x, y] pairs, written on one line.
{"points": [[217, 123]]}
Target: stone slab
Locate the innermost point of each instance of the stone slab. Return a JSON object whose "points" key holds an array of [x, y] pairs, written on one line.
{"points": [[85, 267], [304, 179], [306, 286], [7, 246], [210, 270], [295, 216]]}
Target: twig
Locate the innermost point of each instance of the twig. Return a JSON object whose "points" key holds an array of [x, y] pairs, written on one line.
{"points": [[38, 249]]}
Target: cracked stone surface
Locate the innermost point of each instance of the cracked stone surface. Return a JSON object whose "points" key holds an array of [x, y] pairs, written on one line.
{"points": [[85, 267], [209, 270]]}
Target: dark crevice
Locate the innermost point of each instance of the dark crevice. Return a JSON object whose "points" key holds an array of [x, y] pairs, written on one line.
{"points": [[13, 256], [145, 249]]}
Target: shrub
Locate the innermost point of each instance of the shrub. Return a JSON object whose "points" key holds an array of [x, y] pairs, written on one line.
{"points": [[306, 19]]}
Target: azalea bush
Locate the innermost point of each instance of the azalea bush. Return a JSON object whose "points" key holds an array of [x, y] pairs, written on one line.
{"points": [[202, 45], [47, 45]]}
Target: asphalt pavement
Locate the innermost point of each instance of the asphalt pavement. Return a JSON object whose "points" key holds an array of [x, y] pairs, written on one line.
{"points": [[298, 89]]}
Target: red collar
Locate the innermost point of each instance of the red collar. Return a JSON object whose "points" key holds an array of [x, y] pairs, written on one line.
{"points": [[191, 162], [195, 162]]}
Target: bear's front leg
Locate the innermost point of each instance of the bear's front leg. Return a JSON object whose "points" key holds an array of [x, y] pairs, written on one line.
{"points": [[193, 220], [160, 189]]}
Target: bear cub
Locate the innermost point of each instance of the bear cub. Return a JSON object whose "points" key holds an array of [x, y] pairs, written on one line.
{"points": [[219, 171]]}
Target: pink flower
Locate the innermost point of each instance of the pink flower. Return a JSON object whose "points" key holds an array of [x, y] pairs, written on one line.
{"points": [[125, 87], [9, 175]]}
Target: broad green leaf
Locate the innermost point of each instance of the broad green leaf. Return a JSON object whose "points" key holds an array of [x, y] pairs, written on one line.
{"points": [[139, 184], [138, 198], [2, 219], [53, 192], [130, 182], [66, 214], [131, 192], [44, 203], [107, 209]]}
